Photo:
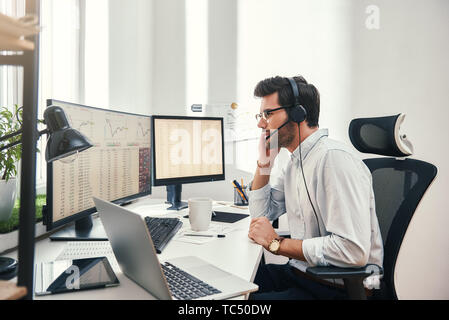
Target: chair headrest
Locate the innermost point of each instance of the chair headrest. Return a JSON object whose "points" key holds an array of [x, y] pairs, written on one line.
{"points": [[380, 136]]}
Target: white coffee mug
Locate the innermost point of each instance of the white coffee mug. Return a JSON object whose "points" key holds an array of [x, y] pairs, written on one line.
{"points": [[200, 213]]}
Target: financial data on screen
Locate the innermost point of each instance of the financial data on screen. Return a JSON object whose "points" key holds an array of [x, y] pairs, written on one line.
{"points": [[116, 167]]}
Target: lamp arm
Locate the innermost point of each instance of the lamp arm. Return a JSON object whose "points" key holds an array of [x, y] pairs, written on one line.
{"points": [[43, 132], [19, 141]]}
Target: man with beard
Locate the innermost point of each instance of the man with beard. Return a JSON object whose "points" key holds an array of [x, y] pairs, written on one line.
{"points": [[325, 189]]}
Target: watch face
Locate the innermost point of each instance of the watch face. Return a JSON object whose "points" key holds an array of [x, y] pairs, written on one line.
{"points": [[274, 246]]}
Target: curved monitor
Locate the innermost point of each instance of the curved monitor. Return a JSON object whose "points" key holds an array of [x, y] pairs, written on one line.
{"points": [[117, 168]]}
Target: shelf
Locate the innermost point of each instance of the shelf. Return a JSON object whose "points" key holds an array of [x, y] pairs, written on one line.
{"points": [[15, 44]]}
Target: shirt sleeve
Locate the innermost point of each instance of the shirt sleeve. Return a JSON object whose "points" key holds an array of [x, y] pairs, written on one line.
{"points": [[344, 194], [268, 201]]}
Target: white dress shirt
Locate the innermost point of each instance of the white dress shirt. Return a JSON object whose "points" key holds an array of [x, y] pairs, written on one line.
{"points": [[340, 186]]}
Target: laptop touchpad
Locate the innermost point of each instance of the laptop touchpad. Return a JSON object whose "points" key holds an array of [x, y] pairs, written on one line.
{"points": [[208, 271]]}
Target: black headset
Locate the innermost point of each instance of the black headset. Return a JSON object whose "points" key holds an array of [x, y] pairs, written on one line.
{"points": [[297, 113]]}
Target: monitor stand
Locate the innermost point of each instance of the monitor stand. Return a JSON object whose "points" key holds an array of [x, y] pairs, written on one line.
{"points": [[174, 197], [85, 229]]}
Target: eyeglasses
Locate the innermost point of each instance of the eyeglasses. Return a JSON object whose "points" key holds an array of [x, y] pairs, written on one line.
{"points": [[266, 113]]}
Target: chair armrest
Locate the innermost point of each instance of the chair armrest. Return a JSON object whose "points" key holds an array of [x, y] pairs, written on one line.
{"points": [[344, 273], [352, 277]]}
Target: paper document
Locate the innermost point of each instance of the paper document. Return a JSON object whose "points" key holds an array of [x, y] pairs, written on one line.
{"points": [[214, 230]]}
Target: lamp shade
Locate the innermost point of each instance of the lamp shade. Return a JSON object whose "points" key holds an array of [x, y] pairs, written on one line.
{"points": [[64, 140]]}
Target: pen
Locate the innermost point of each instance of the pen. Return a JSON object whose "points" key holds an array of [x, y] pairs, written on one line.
{"points": [[231, 205], [240, 192], [205, 235], [239, 188], [243, 191]]}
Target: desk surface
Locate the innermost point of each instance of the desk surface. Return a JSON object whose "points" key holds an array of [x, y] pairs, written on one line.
{"points": [[236, 253]]}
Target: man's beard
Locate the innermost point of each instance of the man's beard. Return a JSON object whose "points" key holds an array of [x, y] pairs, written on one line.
{"points": [[285, 137]]}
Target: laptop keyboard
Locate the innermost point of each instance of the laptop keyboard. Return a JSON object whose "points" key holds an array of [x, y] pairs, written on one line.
{"points": [[184, 286], [162, 230]]}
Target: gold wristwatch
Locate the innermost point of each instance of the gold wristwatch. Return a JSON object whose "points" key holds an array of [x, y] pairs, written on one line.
{"points": [[275, 245]]}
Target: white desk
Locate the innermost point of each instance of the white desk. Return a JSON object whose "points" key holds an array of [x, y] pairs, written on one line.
{"points": [[236, 254]]}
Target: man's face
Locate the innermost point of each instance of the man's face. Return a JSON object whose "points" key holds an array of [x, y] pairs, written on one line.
{"points": [[274, 120]]}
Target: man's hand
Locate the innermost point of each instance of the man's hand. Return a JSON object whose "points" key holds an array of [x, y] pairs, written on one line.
{"points": [[261, 231], [268, 150]]}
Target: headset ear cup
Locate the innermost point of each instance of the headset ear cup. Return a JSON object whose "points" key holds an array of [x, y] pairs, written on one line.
{"points": [[298, 114]]}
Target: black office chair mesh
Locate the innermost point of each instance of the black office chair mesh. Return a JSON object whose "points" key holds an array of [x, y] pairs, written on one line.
{"points": [[399, 185]]}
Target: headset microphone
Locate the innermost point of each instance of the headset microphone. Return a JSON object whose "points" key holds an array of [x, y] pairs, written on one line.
{"points": [[276, 131]]}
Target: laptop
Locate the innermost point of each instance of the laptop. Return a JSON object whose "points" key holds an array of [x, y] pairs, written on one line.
{"points": [[132, 245]]}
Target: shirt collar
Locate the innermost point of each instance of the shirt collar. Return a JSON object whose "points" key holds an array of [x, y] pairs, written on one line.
{"points": [[309, 143]]}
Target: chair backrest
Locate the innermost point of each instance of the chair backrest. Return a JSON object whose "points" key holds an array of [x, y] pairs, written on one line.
{"points": [[398, 184]]}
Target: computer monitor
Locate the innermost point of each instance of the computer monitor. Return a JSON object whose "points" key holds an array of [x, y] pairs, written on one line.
{"points": [[117, 168], [186, 150]]}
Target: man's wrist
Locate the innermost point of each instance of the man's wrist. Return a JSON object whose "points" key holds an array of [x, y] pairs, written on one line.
{"points": [[264, 170], [262, 165]]}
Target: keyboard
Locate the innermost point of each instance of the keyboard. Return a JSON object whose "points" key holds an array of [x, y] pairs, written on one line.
{"points": [[87, 249], [184, 286], [162, 230]]}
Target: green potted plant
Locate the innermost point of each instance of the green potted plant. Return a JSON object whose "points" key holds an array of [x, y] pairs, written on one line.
{"points": [[10, 122]]}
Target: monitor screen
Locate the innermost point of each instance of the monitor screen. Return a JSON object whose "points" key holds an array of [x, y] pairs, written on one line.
{"points": [[117, 168], [187, 149]]}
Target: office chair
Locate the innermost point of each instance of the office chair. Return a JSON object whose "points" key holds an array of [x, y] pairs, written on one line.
{"points": [[399, 184]]}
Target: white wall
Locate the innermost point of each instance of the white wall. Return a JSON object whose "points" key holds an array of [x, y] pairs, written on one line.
{"points": [[291, 37], [130, 55], [169, 56], [96, 62], [403, 67]]}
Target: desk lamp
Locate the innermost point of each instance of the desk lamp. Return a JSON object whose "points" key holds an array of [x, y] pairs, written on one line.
{"points": [[63, 142]]}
